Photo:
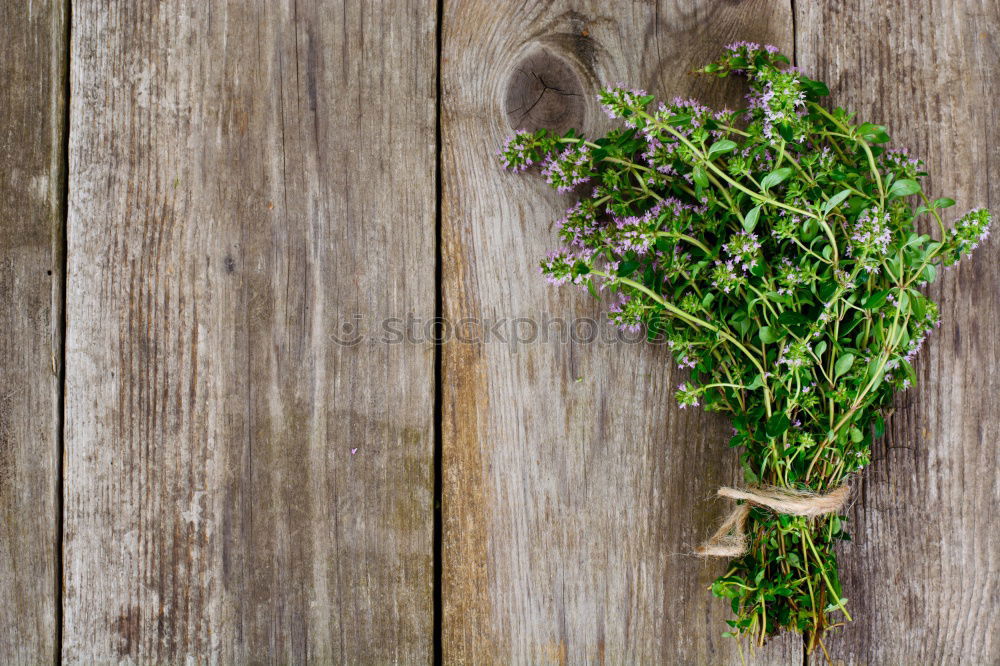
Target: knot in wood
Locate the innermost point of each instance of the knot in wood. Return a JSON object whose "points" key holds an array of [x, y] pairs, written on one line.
{"points": [[544, 90]]}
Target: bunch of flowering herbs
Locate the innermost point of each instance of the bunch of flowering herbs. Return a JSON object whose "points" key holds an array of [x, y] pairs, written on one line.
{"points": [[775, 249]]}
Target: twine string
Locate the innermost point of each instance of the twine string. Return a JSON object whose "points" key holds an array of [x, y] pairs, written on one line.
{"points": [[730, 540]]}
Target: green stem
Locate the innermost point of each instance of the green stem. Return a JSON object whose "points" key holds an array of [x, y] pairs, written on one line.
{"points": [[691, 319], [757, 196], [693, 241], [940, 222], [864, 146], [722, 385], [822, 571]]}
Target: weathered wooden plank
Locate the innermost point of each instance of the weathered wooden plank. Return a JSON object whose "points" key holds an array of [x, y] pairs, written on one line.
{"points": [[32, 159], [244, 178], [922, 571], [574, 489]]}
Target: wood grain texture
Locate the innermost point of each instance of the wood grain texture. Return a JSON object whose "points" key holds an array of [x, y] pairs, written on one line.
{"points": [[245, 177], [32, 165], [574, 489], [923, 570]]}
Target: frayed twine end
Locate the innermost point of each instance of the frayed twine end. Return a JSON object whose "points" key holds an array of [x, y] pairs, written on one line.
{"points": [[730, 540]]}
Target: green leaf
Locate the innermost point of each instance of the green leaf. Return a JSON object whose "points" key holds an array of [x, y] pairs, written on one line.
{"points": [[835, 525], [790, 318], [649, 277], [775, 177], [943, 202], [627, 268], [833, 606], [876, 299], [873, 133], [835, 201], [843, 364], [700, 177], [914, 239], [903, 188], [769, 334], [814, 89], [777, 425], [743, 326], [903, 304], [750, 220], [721, 147]]}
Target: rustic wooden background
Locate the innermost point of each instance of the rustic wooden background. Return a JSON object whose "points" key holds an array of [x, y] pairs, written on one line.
{"points": [[198, 197]]}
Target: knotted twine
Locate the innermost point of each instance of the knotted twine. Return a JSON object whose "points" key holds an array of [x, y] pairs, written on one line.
{"points": [[730, 540]]}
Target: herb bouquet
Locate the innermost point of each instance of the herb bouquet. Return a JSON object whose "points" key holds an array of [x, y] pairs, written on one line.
{"points": [[775, 249]]}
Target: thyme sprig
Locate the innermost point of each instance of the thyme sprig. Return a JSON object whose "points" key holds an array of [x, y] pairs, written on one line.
{"points": [[776, 249]]}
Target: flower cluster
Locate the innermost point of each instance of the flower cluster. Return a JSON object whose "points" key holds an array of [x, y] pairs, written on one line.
{"points": [[520, 150], [562, 266], [619, 102], [790, 276], [779, 251], [570, 168], [726, 276], [627, 313], [744, 248], [795, 354], [900, 164], [870, 238], [581, 228], [687, 396], [972, 229], [777, 104]]}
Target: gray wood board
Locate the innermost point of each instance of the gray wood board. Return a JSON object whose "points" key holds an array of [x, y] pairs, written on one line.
{"points": [[244, 179], [923, 570], [574, 488], [32, 180]]}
